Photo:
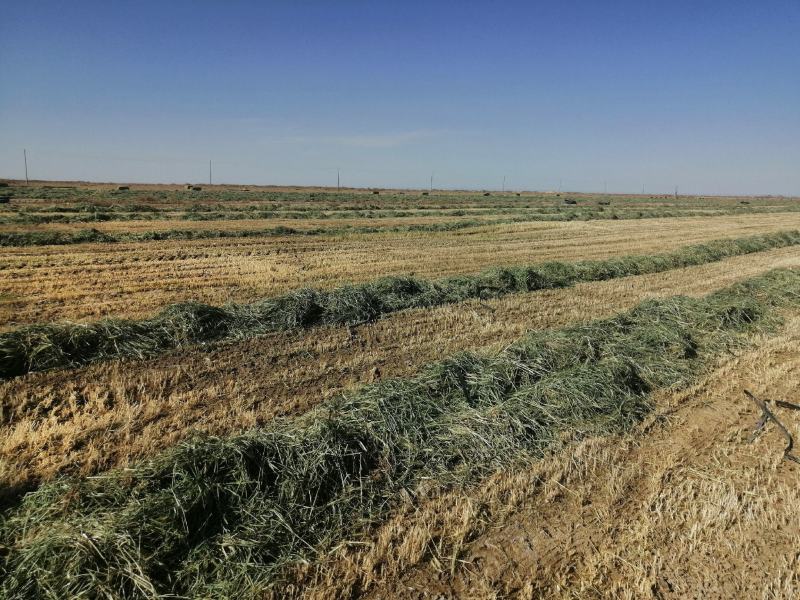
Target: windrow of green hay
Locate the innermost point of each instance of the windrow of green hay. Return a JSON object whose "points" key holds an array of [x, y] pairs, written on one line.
{"points": [[91, 213], [85, 212], [60, 238], [221, 517], [41, 347]]}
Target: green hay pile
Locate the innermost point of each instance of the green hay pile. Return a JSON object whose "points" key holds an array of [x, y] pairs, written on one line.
{"points": [[41, 347], [220, 517]]}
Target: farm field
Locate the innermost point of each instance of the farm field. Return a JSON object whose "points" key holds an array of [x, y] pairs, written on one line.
{"points": [[322, 394], [136, 279]]}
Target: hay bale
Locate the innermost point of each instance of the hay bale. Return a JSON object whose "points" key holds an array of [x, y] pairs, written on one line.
{"points": [[196, 188], [123, 188], [486, 194], [570, 201], [189, 186], [424, 193], [375, 192], [744, 202]]}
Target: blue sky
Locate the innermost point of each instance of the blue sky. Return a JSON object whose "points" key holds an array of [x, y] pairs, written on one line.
{"points": [[703, 95]]}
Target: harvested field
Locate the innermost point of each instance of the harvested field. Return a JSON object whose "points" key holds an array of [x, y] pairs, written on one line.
{"points": [[109, 414], [137, 279], [439, 413], [301, 486], [680, 509], [225, 387], [41, 347]]}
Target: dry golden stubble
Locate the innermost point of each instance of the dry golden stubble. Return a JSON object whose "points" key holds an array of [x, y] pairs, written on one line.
{"points": [[109, 414], [86, 282], [682, 507]]}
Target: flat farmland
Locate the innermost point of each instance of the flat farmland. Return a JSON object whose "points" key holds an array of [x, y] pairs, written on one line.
{"points": [[304, 393], [137, 279]]}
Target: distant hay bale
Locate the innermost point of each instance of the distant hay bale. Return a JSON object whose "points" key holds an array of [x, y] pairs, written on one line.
{"points": [[744, 202], [486, 194], [376, 192], [189, 186], [123, 188], [518, 194], [570, 201], [196, 188], [424, 193]]}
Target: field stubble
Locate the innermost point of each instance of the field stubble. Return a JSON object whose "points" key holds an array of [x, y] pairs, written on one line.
{"points": [[227, 515], [109, 414], [683, 507], [91, 281]]}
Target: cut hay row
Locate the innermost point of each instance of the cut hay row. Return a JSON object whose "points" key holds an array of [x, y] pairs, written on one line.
{"points": [[81, 213], [91, 213], [41, 347], [681, 499], [110, 414], [93, 235], [220, 517]]}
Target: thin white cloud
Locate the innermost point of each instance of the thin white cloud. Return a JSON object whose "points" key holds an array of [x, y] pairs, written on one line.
{"points": [[379, 140]]}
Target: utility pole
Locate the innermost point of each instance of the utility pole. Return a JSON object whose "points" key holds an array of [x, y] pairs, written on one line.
{"points": [[676, 192], [431, 183], [338, 185], [209, 172], [504, 183], [25, 158]]}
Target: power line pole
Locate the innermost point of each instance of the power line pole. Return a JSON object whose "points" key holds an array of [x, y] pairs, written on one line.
{"points": [[209, 172], [431, 183], [25, 158], [338, 185], [676, 192], [504, 183]]}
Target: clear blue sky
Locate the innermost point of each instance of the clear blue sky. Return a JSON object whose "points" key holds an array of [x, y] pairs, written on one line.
{"points": [[704, 95]]}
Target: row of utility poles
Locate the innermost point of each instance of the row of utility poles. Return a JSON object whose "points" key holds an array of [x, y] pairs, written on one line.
{"points": [[339, 178]]}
